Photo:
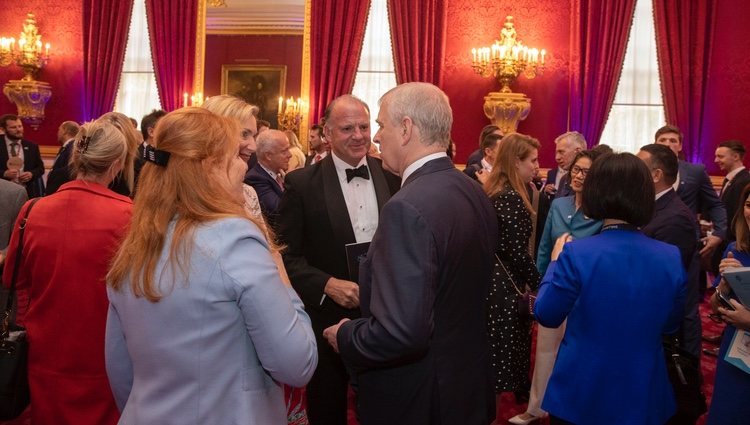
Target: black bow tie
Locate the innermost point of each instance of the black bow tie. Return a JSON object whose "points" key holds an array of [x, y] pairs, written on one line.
{"points": [[360, 171]]}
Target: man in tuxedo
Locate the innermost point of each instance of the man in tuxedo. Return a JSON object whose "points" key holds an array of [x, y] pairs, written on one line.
{"points": [[420, 352], [267, 176], [32, 170], [674, 223], [694, 187], [567, 145], [319, 147], [326, 206]]}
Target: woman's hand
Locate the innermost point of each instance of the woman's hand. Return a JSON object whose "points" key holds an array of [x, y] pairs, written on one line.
{"points": [[740, 317], [559, 244], [482, 176], [728, 262]]}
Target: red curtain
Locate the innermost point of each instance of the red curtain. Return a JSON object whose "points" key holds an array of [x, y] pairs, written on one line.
{"points": [[418, 37], [105, 36], [684, 33], [599, 35], [337, 32], [171, 29]]}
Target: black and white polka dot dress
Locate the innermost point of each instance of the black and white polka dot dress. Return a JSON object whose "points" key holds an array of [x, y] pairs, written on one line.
{"points": [[510, 337]]}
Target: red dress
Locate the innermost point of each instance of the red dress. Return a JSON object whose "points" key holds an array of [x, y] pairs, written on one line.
{"points": [[70, 239]]}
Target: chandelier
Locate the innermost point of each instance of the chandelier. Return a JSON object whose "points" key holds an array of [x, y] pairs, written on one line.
{"points": [[507, 58], [290, 113], [29, 95]]}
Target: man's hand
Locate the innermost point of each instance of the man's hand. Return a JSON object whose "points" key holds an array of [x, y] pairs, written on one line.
{"points": [[343, 292], [549, 189], [710, 242], [10, 174], [330, 334], [482, 176], [25, 176]]}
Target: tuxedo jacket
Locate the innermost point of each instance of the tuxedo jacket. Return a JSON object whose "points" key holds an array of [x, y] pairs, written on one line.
{"points": [[268, 190], [697, 192], [32, 162], [730, 196], [420, 350], [63, 157], [314, 225]]}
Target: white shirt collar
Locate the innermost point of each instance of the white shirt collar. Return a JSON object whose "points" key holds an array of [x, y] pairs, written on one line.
{"points": [[342, 166], [660, 194], [271, 173], [486, 165], [731, 174], [418, 163]]}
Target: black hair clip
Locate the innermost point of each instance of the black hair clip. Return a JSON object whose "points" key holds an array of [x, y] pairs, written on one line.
{"points": [[151, 154], [83, 144]]}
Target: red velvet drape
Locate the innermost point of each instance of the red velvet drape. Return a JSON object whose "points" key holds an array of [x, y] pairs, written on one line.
{"points": [[684, 33], [337, 32], [599, 35], [418, 37], [105, 36], [171, 29]]}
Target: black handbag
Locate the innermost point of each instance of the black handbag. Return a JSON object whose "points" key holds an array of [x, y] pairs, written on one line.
{"points": [[685, 376], [14, 347], [524, 300]]}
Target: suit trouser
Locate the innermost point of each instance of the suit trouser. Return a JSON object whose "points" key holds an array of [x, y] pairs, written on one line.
{"points": [[328, 388], [547, 343]]}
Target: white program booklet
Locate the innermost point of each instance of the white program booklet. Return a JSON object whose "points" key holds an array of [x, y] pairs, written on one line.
{"points": [[739, 350]]}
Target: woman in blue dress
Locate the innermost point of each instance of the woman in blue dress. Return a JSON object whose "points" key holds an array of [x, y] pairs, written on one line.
{"points": [[732, 385], [565, 216], [620, 291]]}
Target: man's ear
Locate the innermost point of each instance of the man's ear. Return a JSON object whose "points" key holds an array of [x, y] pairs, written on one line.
{"points": [[407, 129], [657, 175], [150, 131]]}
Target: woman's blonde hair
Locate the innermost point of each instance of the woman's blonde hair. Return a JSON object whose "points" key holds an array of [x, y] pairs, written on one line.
{"points": [[193, 188], [97, 146], [293, 140], [231, 107], [125, 126], [513, 147]]}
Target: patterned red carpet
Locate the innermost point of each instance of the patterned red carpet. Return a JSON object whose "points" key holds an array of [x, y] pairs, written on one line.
{"points": [[508, 408]]}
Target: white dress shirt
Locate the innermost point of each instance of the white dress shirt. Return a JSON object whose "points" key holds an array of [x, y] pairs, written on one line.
{"points": [[360, 198], [414, 166]]}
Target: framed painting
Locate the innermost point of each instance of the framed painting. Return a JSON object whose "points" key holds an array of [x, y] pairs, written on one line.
{"points": [[260, 85]]}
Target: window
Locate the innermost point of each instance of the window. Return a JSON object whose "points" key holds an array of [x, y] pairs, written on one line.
{"points": [[376, 73], [638, 109], [137, 94]]}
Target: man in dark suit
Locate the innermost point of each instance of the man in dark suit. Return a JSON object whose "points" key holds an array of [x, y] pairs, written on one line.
{"points": [[674, 223], [420, 351], [326, 206], [567, 146], [14, 145], [490, 146], [729, 157], [65, 135], [694, 187], [319, 147], [267, 176]]}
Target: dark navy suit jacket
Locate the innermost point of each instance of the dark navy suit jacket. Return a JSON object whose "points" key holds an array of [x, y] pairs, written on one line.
{"points": [[697, 192], [268, 190], [674, 223], [420, 349], [730, 196], [32, 162]]}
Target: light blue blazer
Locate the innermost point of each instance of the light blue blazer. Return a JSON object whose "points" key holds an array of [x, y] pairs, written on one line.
{"points": [[216, 348], [620, 291]]}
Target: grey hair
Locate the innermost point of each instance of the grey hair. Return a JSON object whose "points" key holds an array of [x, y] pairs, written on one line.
{"points": [[266, 141], [427, 106], [575, 138]]}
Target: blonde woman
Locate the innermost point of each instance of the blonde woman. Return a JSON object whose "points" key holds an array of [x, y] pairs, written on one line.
{"points": [[71, 237], [515, 166], [201, 327], [245, 115], [298, 157], [124, 183]]}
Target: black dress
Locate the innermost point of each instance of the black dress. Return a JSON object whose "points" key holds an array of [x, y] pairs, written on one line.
{"points": [[510, 336]]}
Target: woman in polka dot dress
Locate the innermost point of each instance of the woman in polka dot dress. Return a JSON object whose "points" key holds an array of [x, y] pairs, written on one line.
{"points": [[510, 335]]}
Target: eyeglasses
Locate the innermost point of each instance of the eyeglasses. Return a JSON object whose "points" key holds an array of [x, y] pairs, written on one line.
{"points": [[576, 170]]}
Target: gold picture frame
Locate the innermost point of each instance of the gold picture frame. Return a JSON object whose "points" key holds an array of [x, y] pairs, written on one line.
{"points": [[260, 85]]}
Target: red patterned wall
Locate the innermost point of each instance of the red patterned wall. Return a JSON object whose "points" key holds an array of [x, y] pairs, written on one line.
{"points": [[59, 24], [542, 24], [727, 113]]}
